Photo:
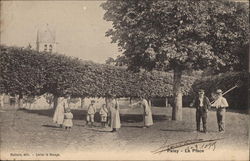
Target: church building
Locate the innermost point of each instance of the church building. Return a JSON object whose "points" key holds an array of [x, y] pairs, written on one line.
{"points": [[46, 39]]}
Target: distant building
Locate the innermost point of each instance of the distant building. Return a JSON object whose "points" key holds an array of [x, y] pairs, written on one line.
{"points": [[46, 39]]}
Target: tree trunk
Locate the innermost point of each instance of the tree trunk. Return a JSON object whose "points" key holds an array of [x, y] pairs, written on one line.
{"points": [[149, 103], [55, 101], [20, 101], [166, 102], [16, 105], [2, 100], [177, 108], [130, 100], [82, 102]]}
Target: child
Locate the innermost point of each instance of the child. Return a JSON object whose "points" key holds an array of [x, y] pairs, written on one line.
{"points": [[67, 122], [91, 113], [104, 114]]}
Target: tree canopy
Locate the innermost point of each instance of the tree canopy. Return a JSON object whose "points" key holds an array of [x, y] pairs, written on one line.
{"points": [[184, 33]]}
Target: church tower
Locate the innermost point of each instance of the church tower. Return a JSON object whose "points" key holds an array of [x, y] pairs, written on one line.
{"points": [[46, 39]]}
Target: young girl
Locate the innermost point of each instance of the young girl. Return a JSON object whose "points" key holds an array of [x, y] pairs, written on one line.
{"points": [[104, 114], [67, 122]]}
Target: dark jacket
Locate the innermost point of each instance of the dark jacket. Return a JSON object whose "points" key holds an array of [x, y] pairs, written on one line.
{"points": [[206, 103]]}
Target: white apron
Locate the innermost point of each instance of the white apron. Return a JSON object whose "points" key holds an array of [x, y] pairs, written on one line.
{"points": [[59, 112], [115, 116], [148, 120]]}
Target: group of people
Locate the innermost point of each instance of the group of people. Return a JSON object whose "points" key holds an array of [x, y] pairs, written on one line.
{"points": [[202, 105], [63, 116], [109, 114]]}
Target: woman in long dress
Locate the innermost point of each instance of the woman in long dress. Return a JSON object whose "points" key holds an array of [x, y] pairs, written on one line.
{"points": [[147, 113], [59, 112], [115, 116]]}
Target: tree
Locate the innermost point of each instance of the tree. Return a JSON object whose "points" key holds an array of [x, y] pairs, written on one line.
{"points": [[110, 61], [178, 35], [119, 61]]}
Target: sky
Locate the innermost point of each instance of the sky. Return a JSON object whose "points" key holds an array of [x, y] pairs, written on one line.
{"points": [[80, 28]]}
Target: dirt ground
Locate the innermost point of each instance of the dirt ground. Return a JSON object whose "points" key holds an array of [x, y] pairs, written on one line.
{"points": [[30, 134]]}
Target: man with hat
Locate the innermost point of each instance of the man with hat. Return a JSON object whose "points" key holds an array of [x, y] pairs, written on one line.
{"points": [[202, 105], [221, 105]]}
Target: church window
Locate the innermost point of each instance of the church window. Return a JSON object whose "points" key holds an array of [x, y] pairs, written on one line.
{"points": [[50, 48], [45, 47]]}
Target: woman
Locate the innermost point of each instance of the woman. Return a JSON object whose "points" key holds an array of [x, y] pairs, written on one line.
{"points": [[115, 116], [147, 113], [59, 112]]}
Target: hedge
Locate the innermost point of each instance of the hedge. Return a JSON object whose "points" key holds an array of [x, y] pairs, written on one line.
{"points": [[28, 72]]}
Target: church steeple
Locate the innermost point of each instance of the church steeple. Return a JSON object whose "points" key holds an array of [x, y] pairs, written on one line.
{"points": [[46, 39]]}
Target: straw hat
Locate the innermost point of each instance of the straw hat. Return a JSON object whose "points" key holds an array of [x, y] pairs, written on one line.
{"points": [[219, 91]]}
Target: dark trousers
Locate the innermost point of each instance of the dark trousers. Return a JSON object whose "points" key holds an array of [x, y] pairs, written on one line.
{"points": [[221, 118], [201, 115]]}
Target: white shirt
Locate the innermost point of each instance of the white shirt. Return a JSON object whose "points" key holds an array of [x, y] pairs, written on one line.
{"points": [[220, 102], [201, 101], [91, 109]]}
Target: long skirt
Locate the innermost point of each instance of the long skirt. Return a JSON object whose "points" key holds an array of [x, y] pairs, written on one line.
{"points": [[59, 115], [115, 119], [148, 119]]}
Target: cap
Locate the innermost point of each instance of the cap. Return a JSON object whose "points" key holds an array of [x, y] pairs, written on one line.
{"points": [[201, 91]]}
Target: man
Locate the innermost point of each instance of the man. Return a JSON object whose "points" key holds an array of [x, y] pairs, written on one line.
{"points": [[202, 104], [221, 105]]}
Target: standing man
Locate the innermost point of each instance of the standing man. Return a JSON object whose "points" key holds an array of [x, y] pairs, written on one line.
{"points": [[202, 105], [221, 105]]}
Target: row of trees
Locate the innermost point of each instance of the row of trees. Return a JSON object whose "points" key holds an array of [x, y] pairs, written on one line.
{"points": [[26, 72]]}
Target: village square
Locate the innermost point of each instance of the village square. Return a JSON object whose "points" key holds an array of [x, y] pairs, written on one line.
{"points": [[124, 80]]}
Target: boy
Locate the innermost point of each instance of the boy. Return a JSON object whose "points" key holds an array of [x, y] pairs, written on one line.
{"points": [[91, 113]]}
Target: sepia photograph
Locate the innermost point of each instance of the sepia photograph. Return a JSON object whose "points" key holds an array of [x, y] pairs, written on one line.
{"points": [[124, 80]]}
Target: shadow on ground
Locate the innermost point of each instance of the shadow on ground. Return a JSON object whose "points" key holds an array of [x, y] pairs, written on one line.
{"points": [[177, 130], [81, 115]]}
